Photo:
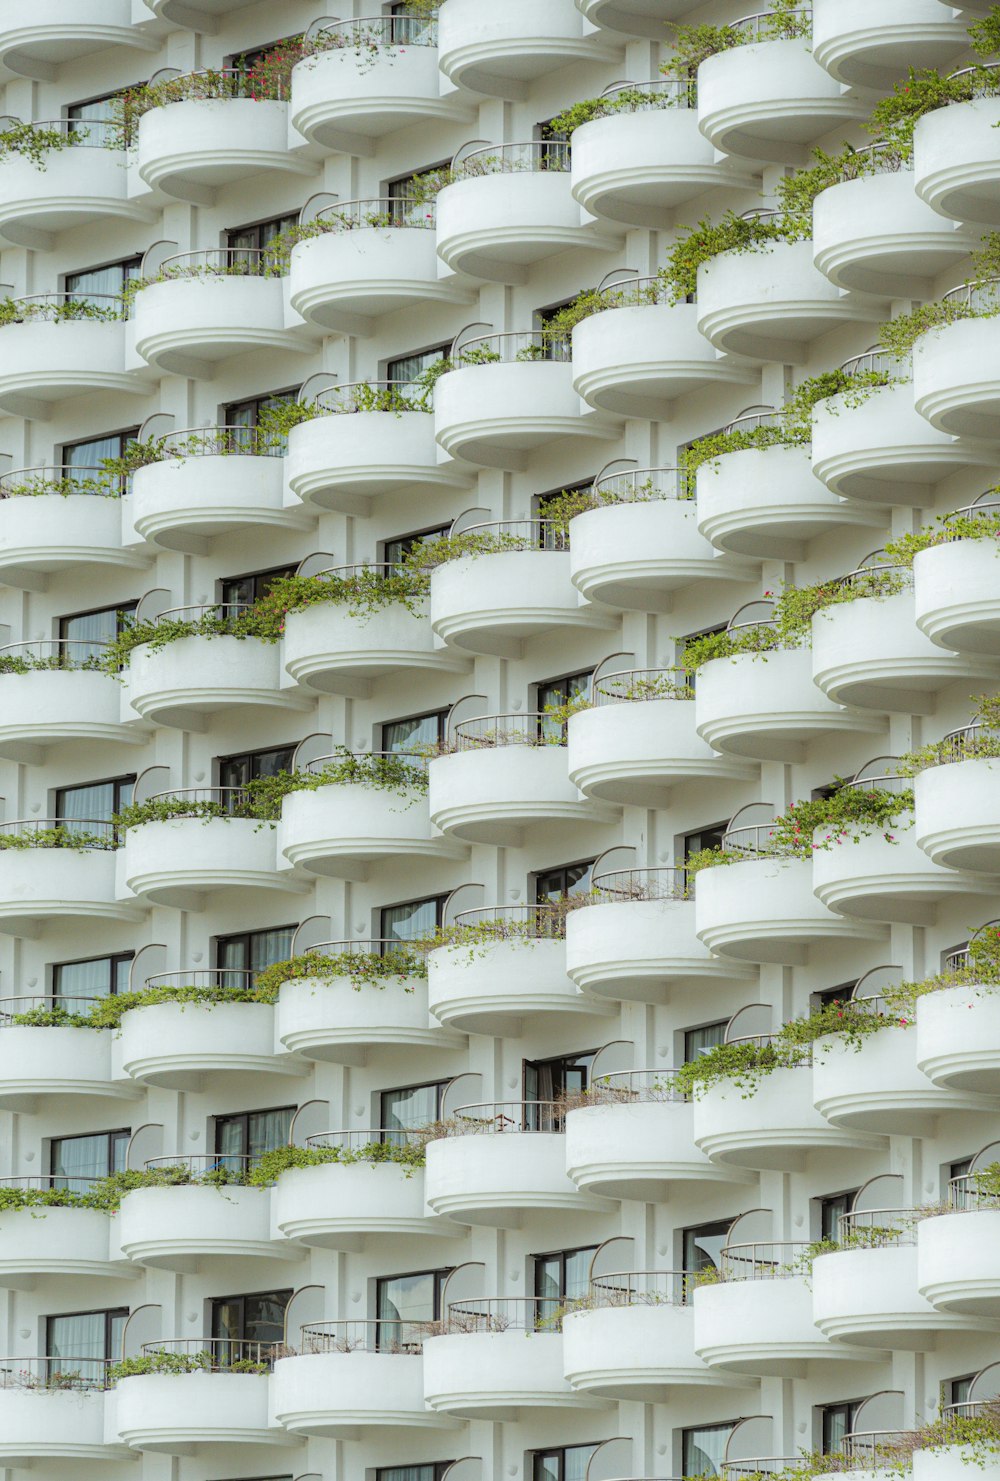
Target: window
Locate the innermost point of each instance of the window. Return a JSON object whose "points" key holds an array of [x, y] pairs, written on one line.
{"points": [[236, 771], [79, 808], [83, 1342], [710, 836], [252, 1133], [957, 1390], [702, 1246], [259, 236], [561, 1276], [252, 1319], [75, 1158], [566, 1463], [414, 732], [396, 551], [554, 694], [252, 951], [829, 995], [409, 1108], [407, 29], [433, 1470], [563, 883], [405, 1303], [88, 632], [700, 1040], [97, 284], [247, 413], [705, 632], [824, 793], [410, 204], [102, 108], [94, 977], [831, 1209], [703, 1449], [412, 919], [408, 368], [547, 1081], [88, 456], [837, 1420], [242, 590]]}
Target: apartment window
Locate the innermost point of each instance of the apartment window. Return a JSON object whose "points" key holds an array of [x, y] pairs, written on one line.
{"points": [[247, 414], [555, 694], [260, 234], [705, 632], [83, 1342], [97, 284], [831, 1210], [958, 1390], [394, 552], [563, 883], [407, 29], [405, 1303], [710, 836], [830, 995], [414, 733], [411, 920], [73, 1159], [561, 1276], [252, 1133], [704, 1038], [408, 368], [565, 1463], [837, 1421], [88, 632], [410, 205], [239, 1323], [547, 1082], [434, 1470], [79, 808], [409, 1108], [84, 460], [238, 591], [703, 1448], [94, 977], [252, 951], [250, 766], [101, 108], [702, 1246]]}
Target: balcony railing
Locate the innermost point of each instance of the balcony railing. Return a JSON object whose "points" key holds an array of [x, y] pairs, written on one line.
{"points": [[41, 1004], [753, 838], [369, 33], [62, 479], [378, 211], [212, 83], [51, 1182], [52, 653], [515, 347], [532, 155], [241, 262], [873, 1450], [771, 25], [758, 1465], [507, 1314], [879, 362], [488, 732], [982, 81], [72, 833], [198, 611], [225, 979], [658, 92], [383, 947], [398, 1337], [965, 1195], [215, 442], [355, 1139], [54, 1373], [639, 485], [234, 802], [215, 1354], [875, 159], [58, 307], [641, 1288], [627, 1087], [657, 883], [764, 1260], [880, 1228], [496, 1118], [631, 685], [982, 297], [90, 133], [418, 760], [510, 534], [358, 396], [203, 1164], [544, 921]]}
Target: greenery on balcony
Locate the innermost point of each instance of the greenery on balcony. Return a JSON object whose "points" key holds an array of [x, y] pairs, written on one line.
{"points": [[176, 1363]]}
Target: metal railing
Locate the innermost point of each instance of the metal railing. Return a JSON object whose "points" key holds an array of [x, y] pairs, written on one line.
{"points": [[506, 1314], [381, 570], [378, 211], [874, 159], [329, 33], [752, 838], [530, 155], [873, 1449], [242, 262], [221, 1352], [516, 346], [59, 1373], [354, 1139], [641, 1288], [497, 1118], [751, 421], [983, 508], [43, 1182], [386, 946], [980, 297], [965, 1195], [235, 802], [63, 653], [417, 759], [980, 85], [522, 534], [357, 396], [213, 442], [487, 732], [226, 83], [879, 575], [880, 1228], [661, 882], [658, 92], [964, 740], [90, 133], [882, 781], [198, 1164], [756, 27], [195, 611], [544, 921], [93, 480], [64, 305], [766, 1259], [397, 1337], [627, 686], [957, 960], [636, 290], [624, 1087], [758, 1465], [226, 979], [98, 833], [15, 1007], [637, 485]]}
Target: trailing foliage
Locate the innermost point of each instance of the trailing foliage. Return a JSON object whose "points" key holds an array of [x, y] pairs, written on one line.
{"points": [[59, 310], [33, 143], [786, 19], [732, 233], [71, 836], [409, 1155], [176, 1363], [899, 335], [362, 969], [624, 100]]}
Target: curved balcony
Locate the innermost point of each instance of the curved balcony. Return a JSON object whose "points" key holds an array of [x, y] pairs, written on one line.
{"points": [[769, 100], [367, 78], [869, 1295], [492, 602], [212, 481], [503, 1160], [181, 1413], [187, 1228], [958, 1039], [955, 594], [517, 398], [493, 987], [204, 18], [762, 909], [637, 943], [50, 1243], [53, 353], [634, 1139], [767, 503], [638, 1341], [191, 147], [188, 678], [958, 811], [54, 691], [771, 304], [185, 1045], [633, 746], [59, 31], [502, 1359], [870, 653], [885, 878], [955, 163], [767, 705], [178, 860], [82, 184], [507, 775], [948, 1463], [637, 163], [43, 529], [880, 1087], [337, 1206], [68, 872], [374, 257], [777, 1127], [349, 454], [39, 1064], [47, 1419], [881, 449], [353, 1377], [956, 369], [872, 45], [758, 1320], [641, 352], [337, 1019], [502, 52], [635, 17], [958, 1257]]}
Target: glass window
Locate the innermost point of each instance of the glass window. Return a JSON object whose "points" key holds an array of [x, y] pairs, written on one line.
{"points": [[100, 108], [708, 837], [239, 1320], [415, 732], [409, 368], [837, 1421], [554, 695], [563, 883], [829, 995], [84, 1341], [236, 771], [567, 1463], [252, 1133], [88, 632], [395, 551], [242, 590], [410, 1108], [408, 29], [703, 1449], [76, 1158], [252, 951], [96, 977], [95, 284], [830, 1211], [698, 1041], [412, 919], [88, 455], [259, 236], [247, 413], [958, 1390], [432, 1471], [702, 1245], [547, 1082], [563, 1275], [408, 1302], [78, 808]]}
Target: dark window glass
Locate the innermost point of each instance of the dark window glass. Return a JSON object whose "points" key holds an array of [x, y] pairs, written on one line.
{"points": [[247, 413], [86, 633], [252, 951], [236, 771], [102, 107], [829, 995], [547, 1082], [241, 1320], [96, 284], [708, 837], [704, 632], [563, 883], [561, 1276], [837, 1421], [97, 977], [567, 1463], [395, 551], [432, 1471], [703, 1449], [698, 1041], [830, 1211], [241, 590], [409, 368], [958, 1390], [83, 1342], [410, 1108], [702, 1245], [78, 808], [412, 919], [408, 29], [72, 1158], [252, 1133], [406, 1303], [88, 455], [259, 236], [415, 732], [554, 695]]}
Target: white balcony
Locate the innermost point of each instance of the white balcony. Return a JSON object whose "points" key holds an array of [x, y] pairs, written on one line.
{"points": [[497, 415], [870, 653], [44, 532], [189, 678], [42, 1427], [191, 148], [52, 884], [45, 362], [885, 879], [958, 1038], [376, 257], [956, 373], [84, 184], [957, 602], [870, 1297], [195, 1413], [351, 1381], [767, 503], [777, 1127], [349, 458], [955, 160], [332, 649], [883, 450], [187, 1229], [772, 303], [637, 167], [632, 752], [501, 1170], [958, 815], [631, 360], [341, 829], [872, 44], [71, 1066], [958, 1261], [51, 706], [58, 31], [495, 793], [186, 1046], [880, 1087], [632, 949], [641, 1347], [767, 706], [368, 79], [178, 861], [502, 52], [495, 987], [758, 1320], [203, 18], [499, 1372], [763, 910], [639, 1144], [339, 1206], [770, 100], [949, 1463], [212, 481], [492, 603], [54, 1243], [636, 17]]}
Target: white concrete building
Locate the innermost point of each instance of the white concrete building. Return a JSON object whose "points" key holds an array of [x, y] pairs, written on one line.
{"points": [[372, 1319]]}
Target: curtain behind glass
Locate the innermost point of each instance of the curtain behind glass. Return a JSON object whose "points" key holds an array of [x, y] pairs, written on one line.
{"points": [[705, 1449], [83, 979], [76, 1157], [269, 1130], [89, 632], [78, 808], [577, 1461], [411, 735], [406, 1473], [409, 922], [411, 1300], [230, 1143], [407, 1110], [98, 283]]}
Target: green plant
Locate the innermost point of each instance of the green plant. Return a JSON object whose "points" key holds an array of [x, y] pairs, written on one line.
{"points": [[176, 1363], [733, 233], [409, 1154], [362, 969], [623, 100], [33, 143]]}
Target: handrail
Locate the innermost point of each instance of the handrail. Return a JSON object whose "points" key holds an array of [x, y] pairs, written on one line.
{"points": [[42, 1180], [752, 838], [350, 397], [203, 1162], [752, 23], [353, 1139], [982, 294], [59, 1373], [763, 1259], [544, 921], [250, 262], [966, 1196], [663, 92], [532, 155], [45, 648], [622, 1087], [377, 30], [486, 732], [46, 1002], [880, 1228], [642, 1288], [223, 84], [379, 946], [627, 686], [506, 1314], [231, 979], [540, 534], [750, 421], [883, 158], [227, 441], [106, 133], [379, 211], [877, 362], [640, 484], [103, 830], [223, 1352], [498, 1118], [656, 883], [226, 610], [416, 759], [517, 345], [21, 480], [224, 796], [401, 1338]]}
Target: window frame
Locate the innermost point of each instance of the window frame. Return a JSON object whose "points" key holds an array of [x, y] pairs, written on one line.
{"points": [[228, 1117], [117, 1133], [559, 1452], [59, 793], [439, 901], [112, 958], [108, 1313]]}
